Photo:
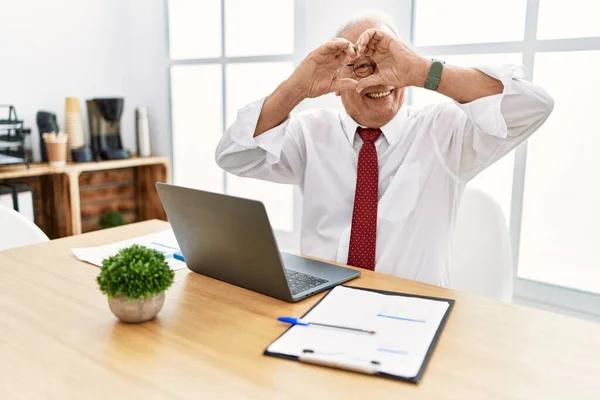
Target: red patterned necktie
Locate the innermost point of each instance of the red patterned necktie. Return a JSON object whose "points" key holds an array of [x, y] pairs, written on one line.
{"points": [[364, 218]]}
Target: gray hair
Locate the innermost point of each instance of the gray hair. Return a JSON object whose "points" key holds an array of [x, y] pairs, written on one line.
{"points": [[377, 18]]}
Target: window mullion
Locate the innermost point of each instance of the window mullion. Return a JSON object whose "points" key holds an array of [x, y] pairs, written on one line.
{"points": [[223, 82], [234, 60], [516, 213]]}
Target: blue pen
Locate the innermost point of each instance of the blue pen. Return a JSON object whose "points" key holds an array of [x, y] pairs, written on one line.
{"points": [[178, 256], [298, 321]]}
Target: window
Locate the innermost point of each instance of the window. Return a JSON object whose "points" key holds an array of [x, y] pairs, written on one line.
{"points": [[559, 239], [553, 211], [250, 27], [195, 140], [245, 83], [224, 55], [560, 19], [455, 22], [190, 20]]}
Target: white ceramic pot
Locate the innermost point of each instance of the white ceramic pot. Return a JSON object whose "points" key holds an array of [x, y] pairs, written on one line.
{"points": [[136, 311]]}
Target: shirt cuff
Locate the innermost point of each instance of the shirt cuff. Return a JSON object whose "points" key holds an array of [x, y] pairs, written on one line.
{"points": [[486, 112], [271, 141]]}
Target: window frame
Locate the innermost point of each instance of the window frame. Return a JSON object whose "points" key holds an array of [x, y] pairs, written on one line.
{"points": [[285, 239], [527, 291]]}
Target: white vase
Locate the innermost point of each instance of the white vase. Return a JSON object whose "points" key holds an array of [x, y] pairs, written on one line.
{"points": [[143, 132], [136, 311]]}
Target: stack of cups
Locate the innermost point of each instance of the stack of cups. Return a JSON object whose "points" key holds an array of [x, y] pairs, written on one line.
{"points": [[73, 124], [56, 148]]}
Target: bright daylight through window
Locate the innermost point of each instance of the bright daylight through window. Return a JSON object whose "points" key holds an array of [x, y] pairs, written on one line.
{"points": [[235, 63], [546, 188]]}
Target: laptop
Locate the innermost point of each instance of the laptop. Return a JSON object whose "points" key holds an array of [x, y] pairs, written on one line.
{"points": [[230, 239]]}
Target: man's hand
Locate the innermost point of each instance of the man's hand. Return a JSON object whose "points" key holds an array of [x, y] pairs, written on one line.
{"points": [[317, 75], [397, 65]]}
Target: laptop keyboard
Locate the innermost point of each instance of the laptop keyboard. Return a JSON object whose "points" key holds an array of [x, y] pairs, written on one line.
{"points": [[300, 282]]}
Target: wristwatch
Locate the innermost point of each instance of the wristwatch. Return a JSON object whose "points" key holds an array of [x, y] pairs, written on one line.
{"points": [[435, 74]]}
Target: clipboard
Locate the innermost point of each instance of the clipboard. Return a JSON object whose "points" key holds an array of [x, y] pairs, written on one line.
{"points": [[364, 367]]}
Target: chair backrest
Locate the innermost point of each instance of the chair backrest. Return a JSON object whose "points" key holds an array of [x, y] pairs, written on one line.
{"points": [[16, 230], [481, 258]]}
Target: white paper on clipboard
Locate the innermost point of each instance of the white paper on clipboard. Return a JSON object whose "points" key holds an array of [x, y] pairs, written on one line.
{"points": [[405, 329]]}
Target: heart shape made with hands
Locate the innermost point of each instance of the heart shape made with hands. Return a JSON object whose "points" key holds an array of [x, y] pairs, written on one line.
{"points": [[377, 58], [380, 59], [361, 66]]}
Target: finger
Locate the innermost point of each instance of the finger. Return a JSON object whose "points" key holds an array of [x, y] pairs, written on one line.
{"points": [[346, 58], [351, 51], [348, 52], [341, 44], [371, 49], [335, 45], [374, 43], [369, 81], [365, 38], [339, 85]]}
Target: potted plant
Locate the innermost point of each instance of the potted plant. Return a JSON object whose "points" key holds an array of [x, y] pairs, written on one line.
{"points": [[111, 219], [135, 280]]}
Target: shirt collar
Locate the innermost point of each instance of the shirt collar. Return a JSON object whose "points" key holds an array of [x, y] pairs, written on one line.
{"points": [[391, 131]]}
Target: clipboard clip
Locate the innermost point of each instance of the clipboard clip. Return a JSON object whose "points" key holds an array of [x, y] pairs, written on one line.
{"points": [[340, 361]]}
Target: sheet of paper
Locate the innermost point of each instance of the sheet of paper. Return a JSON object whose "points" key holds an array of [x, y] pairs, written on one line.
{"points": [[164, 242], [4, 159], [404, 326]]}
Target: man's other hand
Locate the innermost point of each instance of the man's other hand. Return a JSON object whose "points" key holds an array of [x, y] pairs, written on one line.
{"points": [[317, 75]]}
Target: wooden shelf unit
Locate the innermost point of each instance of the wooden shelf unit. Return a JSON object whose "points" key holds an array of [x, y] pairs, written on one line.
{"points": [[70, 200]]}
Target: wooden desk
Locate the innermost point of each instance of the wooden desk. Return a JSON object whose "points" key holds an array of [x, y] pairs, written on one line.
{"points": [[58, 340]]}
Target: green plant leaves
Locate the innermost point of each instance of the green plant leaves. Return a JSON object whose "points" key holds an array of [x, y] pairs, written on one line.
{"points": [[135, 272], [111, 219]]}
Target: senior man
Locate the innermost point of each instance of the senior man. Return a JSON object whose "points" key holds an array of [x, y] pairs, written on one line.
{"points": [[381, 182]]}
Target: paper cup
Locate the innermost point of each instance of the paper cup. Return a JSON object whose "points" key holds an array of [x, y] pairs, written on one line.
{"points": [[72, 105], [74, 129], [57, 153]]}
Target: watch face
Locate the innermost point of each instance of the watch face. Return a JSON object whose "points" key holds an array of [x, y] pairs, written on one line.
{"points": [[435, 73]]}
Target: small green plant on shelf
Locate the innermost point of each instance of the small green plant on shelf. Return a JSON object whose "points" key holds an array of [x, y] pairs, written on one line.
{"points": [[135, 280], [111, 219]]}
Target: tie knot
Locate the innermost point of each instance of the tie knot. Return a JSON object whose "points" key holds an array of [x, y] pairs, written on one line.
{"points": [[369, 134]]}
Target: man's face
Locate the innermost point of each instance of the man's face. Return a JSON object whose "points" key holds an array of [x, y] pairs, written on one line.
{"points": [[375, 106]]}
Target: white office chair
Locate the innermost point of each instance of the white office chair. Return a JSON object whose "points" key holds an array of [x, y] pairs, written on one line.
{"points": [[17, 231], [481, 260]]}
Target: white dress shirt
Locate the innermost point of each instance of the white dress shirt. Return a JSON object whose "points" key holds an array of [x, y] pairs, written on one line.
{"points": [[426, 157]]}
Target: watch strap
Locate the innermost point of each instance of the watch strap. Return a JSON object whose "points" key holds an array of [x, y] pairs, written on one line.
{"points": [[435, 74]]}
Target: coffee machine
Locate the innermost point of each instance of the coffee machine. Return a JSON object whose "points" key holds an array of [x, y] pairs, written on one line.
{"points": [[104, 116]]}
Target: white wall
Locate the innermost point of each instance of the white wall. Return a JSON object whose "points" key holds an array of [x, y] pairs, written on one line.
{"points": [[52, 49]]}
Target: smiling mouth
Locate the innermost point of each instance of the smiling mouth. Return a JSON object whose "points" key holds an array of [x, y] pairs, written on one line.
{"points": [[379, 95]]}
